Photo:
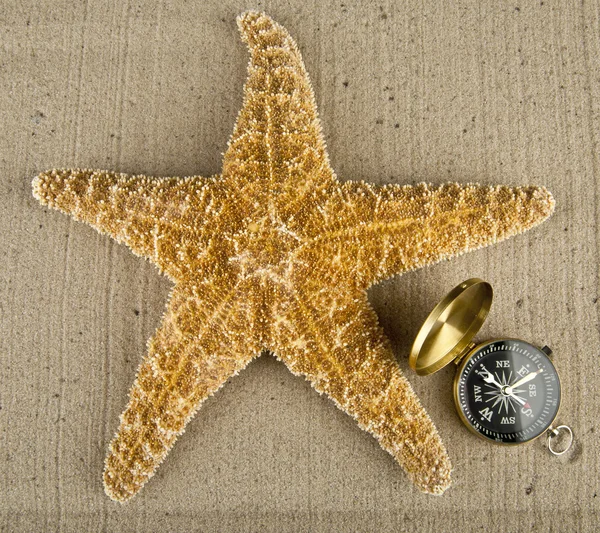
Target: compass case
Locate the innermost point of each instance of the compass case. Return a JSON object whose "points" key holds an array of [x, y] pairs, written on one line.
{"points": [[450, 327]]}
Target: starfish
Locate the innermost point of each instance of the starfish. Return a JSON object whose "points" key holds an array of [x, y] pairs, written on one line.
{"points": [[277, 254]]}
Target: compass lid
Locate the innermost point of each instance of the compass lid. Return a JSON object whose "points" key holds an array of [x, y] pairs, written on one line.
{"points": [[451, 325]]}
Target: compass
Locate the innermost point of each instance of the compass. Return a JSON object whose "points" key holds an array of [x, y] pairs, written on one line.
{"points": [[506, 390]]}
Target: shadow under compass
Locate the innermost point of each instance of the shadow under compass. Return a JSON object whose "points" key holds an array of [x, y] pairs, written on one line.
{"points": [[402, 305]]}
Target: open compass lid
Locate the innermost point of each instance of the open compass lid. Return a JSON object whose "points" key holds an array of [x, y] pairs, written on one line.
{"points": [[451, 325]]}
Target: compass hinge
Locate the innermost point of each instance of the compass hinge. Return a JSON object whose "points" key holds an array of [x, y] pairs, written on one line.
{"points": [[461, 356]]}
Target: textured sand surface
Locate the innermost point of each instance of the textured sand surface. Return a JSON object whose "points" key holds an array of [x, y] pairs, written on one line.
{"points": [[467, 92]]}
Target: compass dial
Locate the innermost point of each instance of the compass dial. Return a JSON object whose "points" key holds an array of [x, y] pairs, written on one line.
{"points": [[507, 391]]}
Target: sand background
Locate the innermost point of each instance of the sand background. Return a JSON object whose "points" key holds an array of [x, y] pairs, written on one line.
{"points": [[491, 91]]}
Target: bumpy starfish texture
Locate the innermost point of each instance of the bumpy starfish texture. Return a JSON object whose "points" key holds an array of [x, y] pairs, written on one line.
{"points": [[276, 254]]}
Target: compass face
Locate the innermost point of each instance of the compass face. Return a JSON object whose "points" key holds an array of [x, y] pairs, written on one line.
{"points": [[508, 391]]}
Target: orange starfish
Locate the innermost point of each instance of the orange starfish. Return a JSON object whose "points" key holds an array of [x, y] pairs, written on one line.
{"points": [[276, 254]]}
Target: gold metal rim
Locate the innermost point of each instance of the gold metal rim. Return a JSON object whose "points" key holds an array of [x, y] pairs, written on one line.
{"points": [[425, 361]]}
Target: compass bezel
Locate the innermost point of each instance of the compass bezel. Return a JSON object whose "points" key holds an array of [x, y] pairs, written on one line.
{"points": [[461, 365]]}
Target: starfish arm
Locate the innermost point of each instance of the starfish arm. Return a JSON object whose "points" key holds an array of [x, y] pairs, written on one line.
{"points": [[277, 136], [340, 348], [387, 230], [155, 217], [203, 341]]}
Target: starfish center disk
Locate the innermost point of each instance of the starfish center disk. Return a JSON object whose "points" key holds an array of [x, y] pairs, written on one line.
{"points": [[265, 250]]}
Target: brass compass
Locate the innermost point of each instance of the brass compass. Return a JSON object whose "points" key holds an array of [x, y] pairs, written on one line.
{"points": [[506, 390]]}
